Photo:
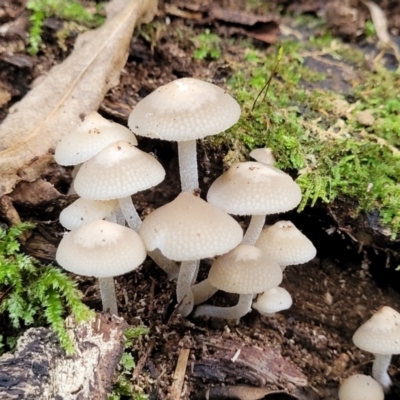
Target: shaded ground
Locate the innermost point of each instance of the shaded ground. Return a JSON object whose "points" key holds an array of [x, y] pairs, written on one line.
{"points": [[333, 294]]}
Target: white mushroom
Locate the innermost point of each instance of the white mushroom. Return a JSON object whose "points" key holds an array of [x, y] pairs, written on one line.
{"points": [[264, 156], [252, 188], [286, 244], [91, 136], [82, 211], [244, 270], [360, 387], [189, 229], [380, 335], [103, 250], [117, 172], [185, 110], [272, 301]]}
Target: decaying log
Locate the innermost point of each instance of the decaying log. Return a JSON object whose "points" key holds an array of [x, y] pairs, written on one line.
{"points": [[40, 369], [229, 361]]}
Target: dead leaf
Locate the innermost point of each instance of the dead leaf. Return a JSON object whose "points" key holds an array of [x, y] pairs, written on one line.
{"points": [[261, 27], [380, 21], [72, 89], [381, 26], [174, 10]]}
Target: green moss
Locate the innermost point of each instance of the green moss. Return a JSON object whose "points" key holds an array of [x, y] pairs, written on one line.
{"points": [[332, 154], [32, 294], [208, 46], [67, 10]]}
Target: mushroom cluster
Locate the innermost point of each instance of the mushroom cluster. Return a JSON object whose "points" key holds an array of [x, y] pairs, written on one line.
{"points": [[178, 235]]}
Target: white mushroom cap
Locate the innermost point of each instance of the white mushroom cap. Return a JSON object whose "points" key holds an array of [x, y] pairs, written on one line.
{"points": [[381, 333], [184, 109], [118, 171], [92, 135], [189, 228], [273, 300], [82, 211], [286, 244], [101, 249], [252, 188], [245, 270], [264, 155], [360, 387]]}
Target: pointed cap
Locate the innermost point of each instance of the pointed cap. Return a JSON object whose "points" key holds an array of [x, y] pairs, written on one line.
{"points": [[118, 171], [91, 136], [381, 333], [101, 249], [189, 228], [286, 244], [245, 270], [252, 188], [184, 109], [82, 211]]}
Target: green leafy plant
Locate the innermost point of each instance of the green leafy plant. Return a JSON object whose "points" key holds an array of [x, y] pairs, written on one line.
{"points": [[123, 387], [68, 10], [32, 294], [208, 46]]}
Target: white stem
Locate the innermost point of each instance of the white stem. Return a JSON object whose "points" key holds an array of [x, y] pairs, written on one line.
{"points": [[379, 371], [130, 213], [188, 165], [196, 272], [202, 291], [253, 231], [183, 287], [120, 219], [170, 267], [107, 293], [242, 308]]}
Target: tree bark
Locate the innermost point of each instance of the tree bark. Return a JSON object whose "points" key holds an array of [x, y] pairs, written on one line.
{"points": [[40, 368]]}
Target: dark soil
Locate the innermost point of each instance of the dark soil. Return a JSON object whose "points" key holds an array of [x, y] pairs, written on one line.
{"points": [[333, 294]]}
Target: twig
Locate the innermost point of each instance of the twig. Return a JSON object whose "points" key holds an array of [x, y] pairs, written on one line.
{"points": [[179, 375], [5, 293], [268, 83], [142, 360]]}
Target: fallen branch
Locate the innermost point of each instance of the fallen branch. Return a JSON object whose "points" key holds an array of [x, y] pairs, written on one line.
{"points": [[40, 369]]}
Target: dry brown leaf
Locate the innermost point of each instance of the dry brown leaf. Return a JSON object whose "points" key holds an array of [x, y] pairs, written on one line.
{"points": [[72, 89], [381, 26]]}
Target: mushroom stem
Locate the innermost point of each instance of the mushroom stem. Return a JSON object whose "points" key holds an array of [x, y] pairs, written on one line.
{"points": [[187, 155], [183, 287], [119, 217], [202, 291], [130, 213], [107, 292], [253, 231], [171, 268], [239, 310], [379, 371]]}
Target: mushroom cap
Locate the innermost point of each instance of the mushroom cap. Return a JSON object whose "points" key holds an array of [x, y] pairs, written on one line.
{"points": [[360, 387], [263, 156], [92, 135], [286, 244], [184, 109], [252, 188], [101, 249], [82, 211], [188, 228], [273, 300], [118, 171], [381, 333], [245, 270]]}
